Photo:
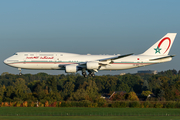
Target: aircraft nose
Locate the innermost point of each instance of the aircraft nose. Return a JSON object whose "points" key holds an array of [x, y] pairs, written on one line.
{"points": [[5, 61]]}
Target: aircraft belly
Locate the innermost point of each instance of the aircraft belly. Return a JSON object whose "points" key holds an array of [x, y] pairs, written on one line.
{"points": [[37, 66], [117, 67]]}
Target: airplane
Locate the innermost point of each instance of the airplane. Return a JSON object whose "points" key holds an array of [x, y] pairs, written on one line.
{"points": [[71, 63]]}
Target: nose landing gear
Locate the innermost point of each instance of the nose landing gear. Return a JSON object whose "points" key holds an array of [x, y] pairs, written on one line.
{"points": [[20, 72]]}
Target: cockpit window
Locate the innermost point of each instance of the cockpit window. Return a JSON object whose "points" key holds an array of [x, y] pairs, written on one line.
{"points": [[15, 54]]}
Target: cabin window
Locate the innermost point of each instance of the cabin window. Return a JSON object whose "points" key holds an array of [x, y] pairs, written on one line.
{"points": [[12, 60], [31, 54], [46, 55], [25, 54]]}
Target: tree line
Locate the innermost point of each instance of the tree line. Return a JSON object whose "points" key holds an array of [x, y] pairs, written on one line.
{"points": [[73, 87]]}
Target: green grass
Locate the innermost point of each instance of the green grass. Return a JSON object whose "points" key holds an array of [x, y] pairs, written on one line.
{"points": [[46, 113], [90, 118], [78, 111]]}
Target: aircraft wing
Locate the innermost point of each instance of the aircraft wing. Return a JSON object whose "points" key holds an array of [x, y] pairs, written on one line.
{"points": [[160, 58], [106, 61], [117, 57], [101, 62], [110, 60]]}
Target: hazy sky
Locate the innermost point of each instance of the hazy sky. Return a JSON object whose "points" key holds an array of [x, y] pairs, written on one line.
{"points": [[87, 26]]}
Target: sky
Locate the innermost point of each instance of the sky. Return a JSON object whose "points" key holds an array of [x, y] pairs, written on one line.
{"points": [[87, 26]]}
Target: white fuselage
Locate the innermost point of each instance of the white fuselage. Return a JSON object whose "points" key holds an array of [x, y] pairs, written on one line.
{"points": [[55, 60]]}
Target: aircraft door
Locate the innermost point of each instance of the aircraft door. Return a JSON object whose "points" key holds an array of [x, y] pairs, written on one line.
{"points": [[56, 59], [36, 59], [24, 61]]}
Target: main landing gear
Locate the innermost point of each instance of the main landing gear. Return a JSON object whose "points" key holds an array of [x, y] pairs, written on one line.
{"points": [[20, 72], [91, 73], [84, 73]]}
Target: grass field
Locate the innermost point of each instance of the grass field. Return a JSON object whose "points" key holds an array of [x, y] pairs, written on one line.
{"points": [[90, 118], [78, 111], [75, 113]]}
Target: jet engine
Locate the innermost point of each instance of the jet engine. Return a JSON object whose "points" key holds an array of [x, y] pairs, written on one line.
{"points": [[92, 65], [71, 68]]}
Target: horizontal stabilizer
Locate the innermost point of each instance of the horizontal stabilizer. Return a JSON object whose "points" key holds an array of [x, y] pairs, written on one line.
{"points": [[160, 58]]}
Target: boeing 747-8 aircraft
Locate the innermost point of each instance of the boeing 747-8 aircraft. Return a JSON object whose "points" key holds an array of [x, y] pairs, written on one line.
{"points": [[72, 63]]}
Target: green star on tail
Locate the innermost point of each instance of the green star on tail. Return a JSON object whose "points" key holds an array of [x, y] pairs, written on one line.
{"points": [[157, 50]]}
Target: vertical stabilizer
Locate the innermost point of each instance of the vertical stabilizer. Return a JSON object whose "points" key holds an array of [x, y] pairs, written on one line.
{"points": [[163, 46]]}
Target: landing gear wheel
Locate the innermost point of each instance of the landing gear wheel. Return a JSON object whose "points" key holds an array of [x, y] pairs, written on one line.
{"points": [[91, 74], [20, 73], [85, 76], [84, 73]]}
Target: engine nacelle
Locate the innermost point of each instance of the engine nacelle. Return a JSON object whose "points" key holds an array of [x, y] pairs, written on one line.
{"points": [[71, 68], [92, 65]]}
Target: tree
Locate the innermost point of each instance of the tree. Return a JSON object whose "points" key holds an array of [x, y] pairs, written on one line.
{"points": [[177, 90], [4, 73], [2, 89], [177, 94], [92, 89], [68, 88], [123, 87], [169, 91], [145, 86], [32, 85], [52, 82], [133, 81], [146, 93], [111, 84], [100, 82], [9, 93], [132, 96], [39, 92], [80, 94], [20, 88]]}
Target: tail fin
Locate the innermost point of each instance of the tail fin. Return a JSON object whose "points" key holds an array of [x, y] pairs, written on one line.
{"points": [[163, 46]]}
